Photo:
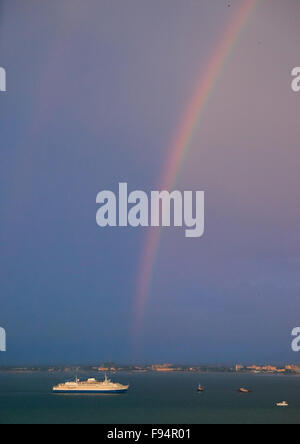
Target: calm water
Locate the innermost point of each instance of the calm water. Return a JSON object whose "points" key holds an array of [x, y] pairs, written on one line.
{"points": [[152, 399]]}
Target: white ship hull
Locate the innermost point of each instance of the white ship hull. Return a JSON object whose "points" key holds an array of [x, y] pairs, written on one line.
{"points": [[103, 391]]}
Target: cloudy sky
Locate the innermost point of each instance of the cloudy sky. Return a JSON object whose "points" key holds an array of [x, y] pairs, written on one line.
{"points": [[96, 92]]}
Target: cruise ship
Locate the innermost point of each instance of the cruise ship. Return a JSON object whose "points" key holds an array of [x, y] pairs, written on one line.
{"points": [[91, 386]]}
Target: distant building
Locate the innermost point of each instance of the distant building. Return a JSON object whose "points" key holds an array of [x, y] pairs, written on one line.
{"points": [[254, 368], [266, 369], [269, 368], [293, 368], [238, 367], [162, 368]]}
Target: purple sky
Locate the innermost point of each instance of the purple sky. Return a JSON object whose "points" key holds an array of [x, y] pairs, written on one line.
{"points": [[96, 90]]}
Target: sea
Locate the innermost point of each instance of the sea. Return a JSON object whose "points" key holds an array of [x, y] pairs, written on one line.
{"points": [[153, 398]]}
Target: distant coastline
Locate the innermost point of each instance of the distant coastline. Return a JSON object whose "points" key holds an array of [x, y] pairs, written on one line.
{"points": [[289, 369]]}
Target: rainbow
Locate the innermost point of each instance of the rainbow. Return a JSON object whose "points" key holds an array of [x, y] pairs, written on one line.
{"points": [[181, 144]]}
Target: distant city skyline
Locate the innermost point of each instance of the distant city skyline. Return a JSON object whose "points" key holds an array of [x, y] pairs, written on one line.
{"points": [[286, 369]]}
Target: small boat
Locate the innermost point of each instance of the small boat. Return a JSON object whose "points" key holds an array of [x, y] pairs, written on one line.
{"points": [[282, 404], [200, 388], [243, 390]]}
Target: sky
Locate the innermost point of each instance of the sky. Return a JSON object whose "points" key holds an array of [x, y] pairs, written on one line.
{"points": [[96, 91]]}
